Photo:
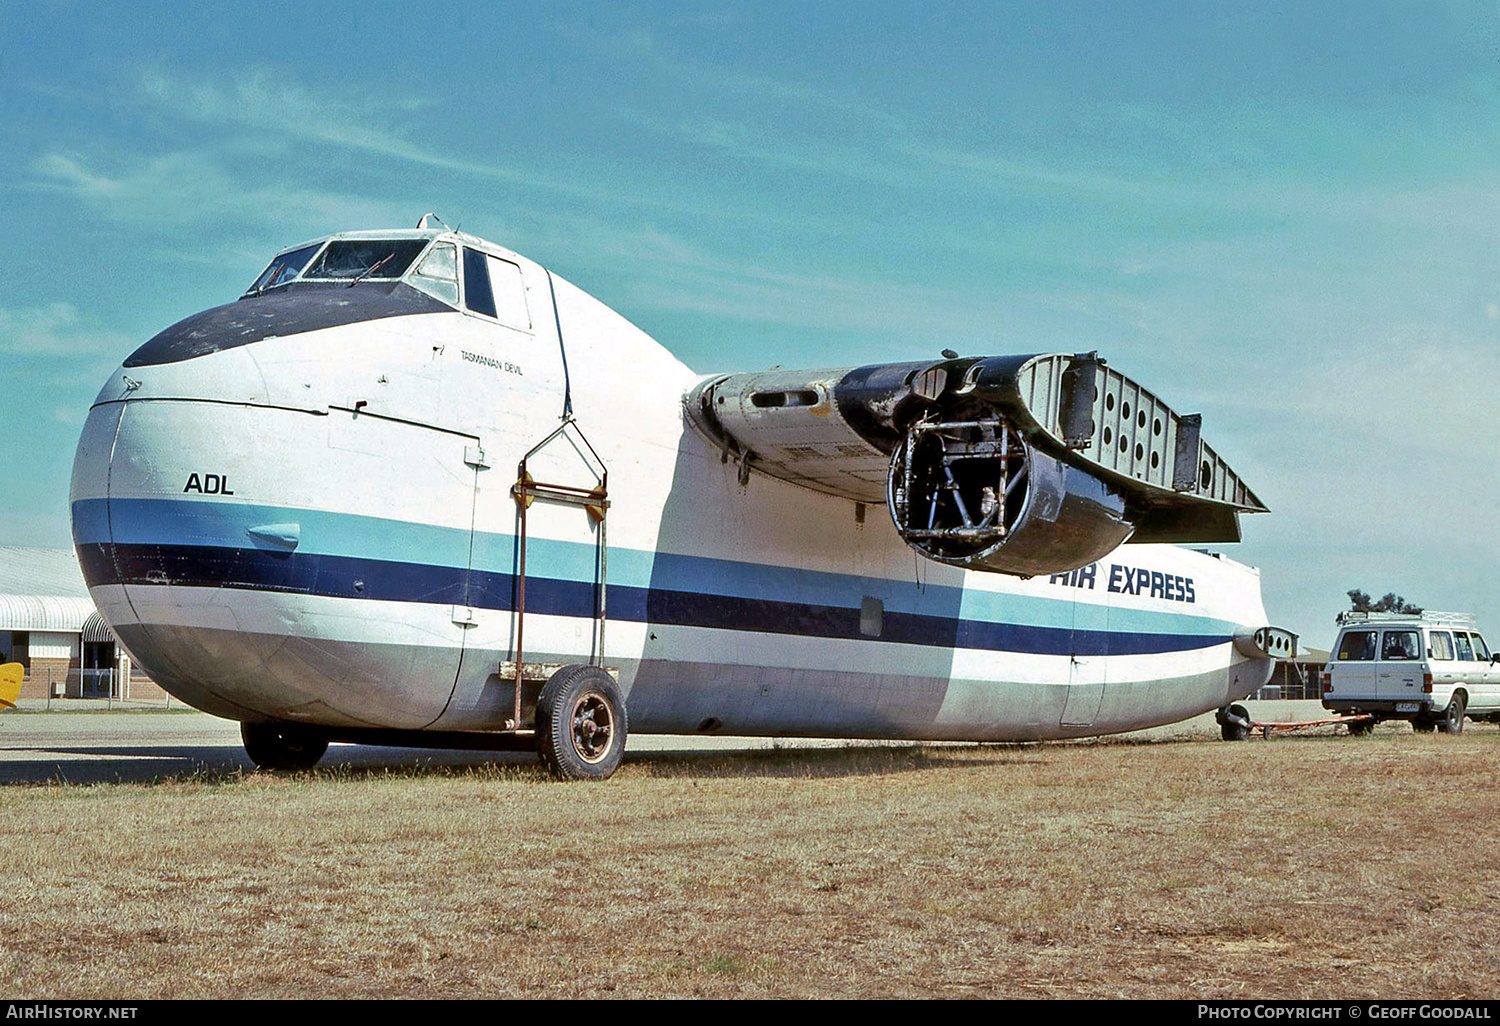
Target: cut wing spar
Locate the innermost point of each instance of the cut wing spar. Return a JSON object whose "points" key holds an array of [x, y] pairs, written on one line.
{"points": [[1009, 463]]}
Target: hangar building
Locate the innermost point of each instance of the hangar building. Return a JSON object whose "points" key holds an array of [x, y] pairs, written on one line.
{"points": [[49, 625]]}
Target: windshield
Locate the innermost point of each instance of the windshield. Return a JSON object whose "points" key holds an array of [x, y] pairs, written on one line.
{"points": [[283, 269], [366, 258]]}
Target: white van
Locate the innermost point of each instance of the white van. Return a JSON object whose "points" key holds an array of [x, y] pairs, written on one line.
{"points": [[1430, 668]]}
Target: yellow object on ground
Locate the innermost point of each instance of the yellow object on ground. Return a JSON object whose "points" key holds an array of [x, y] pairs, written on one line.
{"points": [[10, 684]]}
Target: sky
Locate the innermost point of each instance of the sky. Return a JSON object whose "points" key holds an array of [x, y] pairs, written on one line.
{"points": [[1282, 215]]}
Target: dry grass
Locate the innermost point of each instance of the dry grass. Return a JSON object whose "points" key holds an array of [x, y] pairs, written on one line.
{"points": [[1302, 867]]}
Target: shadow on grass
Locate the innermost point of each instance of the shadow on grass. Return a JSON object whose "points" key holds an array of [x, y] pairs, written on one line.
{"points": [[56, 765], [847, 761], [167, 764]]}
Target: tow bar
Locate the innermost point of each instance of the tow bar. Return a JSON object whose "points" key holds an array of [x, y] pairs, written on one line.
{"points": [[1235, 724], [1360, 724]]}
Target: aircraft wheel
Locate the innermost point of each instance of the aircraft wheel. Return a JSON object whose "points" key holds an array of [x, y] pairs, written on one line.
{"points": [[283, 747], [1237, 729], [1453, 720], [580, 724], [1361, 729], [1423, 725]]}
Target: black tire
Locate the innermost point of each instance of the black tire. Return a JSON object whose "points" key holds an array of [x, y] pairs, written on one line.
{"points": [[282, 747], [1423, 725], [1453, 719], [1362, 728], [1230, 730], [580, 724]]}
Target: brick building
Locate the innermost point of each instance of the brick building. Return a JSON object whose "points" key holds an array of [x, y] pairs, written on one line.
{"points": [[48, 624]]}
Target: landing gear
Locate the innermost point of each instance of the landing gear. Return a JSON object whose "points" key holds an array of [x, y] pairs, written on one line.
{"points": [[1361, 728], [580, 724], [1423, 725], [1234, 723], [283, 747]]}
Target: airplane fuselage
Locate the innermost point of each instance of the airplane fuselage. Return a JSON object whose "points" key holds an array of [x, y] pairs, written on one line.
{"points": [[299, 508]]}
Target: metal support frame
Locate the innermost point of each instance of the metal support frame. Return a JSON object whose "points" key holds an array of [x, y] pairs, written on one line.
{"points": [[993, 443], [595, 500]]}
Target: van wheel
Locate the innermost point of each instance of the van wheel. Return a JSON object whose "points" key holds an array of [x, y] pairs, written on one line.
{"points": [[580, 724], [1453, 721]]}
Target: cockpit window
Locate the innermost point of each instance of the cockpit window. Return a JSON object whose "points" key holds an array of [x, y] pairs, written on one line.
{"points": [[283, 269], [366, 259], [438, 272]]}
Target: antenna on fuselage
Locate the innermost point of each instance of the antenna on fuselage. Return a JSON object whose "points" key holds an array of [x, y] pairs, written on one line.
{"points": [[422, 221]]}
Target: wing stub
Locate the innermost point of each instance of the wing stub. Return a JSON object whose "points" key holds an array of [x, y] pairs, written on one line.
{"points": [[1130, 466]]}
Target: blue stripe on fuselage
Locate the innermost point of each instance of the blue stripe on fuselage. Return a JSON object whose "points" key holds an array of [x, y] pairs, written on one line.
{"points": [[205, 543]]}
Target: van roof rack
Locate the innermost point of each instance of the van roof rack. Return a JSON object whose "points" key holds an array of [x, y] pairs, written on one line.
{"points": [[1425, 616]]}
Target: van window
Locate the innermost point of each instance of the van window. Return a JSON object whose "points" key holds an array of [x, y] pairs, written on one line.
{"points": [[1465, 650], [1442, 645], [1400, 645], [1481, 650], [1358, 645]]}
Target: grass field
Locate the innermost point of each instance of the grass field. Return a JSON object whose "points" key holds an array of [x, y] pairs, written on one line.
{"points": [[1301, 867]]}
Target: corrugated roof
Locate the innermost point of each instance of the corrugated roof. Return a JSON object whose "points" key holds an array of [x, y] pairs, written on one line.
{"points": [[43, 613], [95, 629], [42, 590]]}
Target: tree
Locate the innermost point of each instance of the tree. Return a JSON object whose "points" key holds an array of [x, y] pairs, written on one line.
{"points": [[1390, 603]]}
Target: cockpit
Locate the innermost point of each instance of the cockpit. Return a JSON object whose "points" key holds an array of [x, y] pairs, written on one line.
{"points": [[420, 260]]}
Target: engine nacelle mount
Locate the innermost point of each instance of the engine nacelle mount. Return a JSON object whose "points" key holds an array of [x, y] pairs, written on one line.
{"points": [[975, 494]]}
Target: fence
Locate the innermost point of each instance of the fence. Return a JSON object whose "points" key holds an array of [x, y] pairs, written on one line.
{"points": [[107, 683], [1293, 680]]}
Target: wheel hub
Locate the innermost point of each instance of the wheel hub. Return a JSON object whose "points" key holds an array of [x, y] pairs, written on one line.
{"points": [[593, 728]]}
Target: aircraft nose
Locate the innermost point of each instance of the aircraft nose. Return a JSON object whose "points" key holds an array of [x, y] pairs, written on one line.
{"points": [[293, 310], [134, 535], [205, 534]]}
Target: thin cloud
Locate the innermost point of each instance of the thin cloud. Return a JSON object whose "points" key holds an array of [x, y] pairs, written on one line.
{"points": [[191, 188], [53, 330], [675, 274], [279, 105]]}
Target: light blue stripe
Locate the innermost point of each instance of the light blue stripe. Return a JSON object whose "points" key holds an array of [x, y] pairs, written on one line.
{"points": [[224, 525]]}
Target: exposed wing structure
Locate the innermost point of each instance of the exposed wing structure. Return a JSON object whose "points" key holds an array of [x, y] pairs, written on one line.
{"points": [[1009, 463]]}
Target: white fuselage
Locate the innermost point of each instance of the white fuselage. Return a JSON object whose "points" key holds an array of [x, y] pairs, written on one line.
{"points": [[320, 528]]}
